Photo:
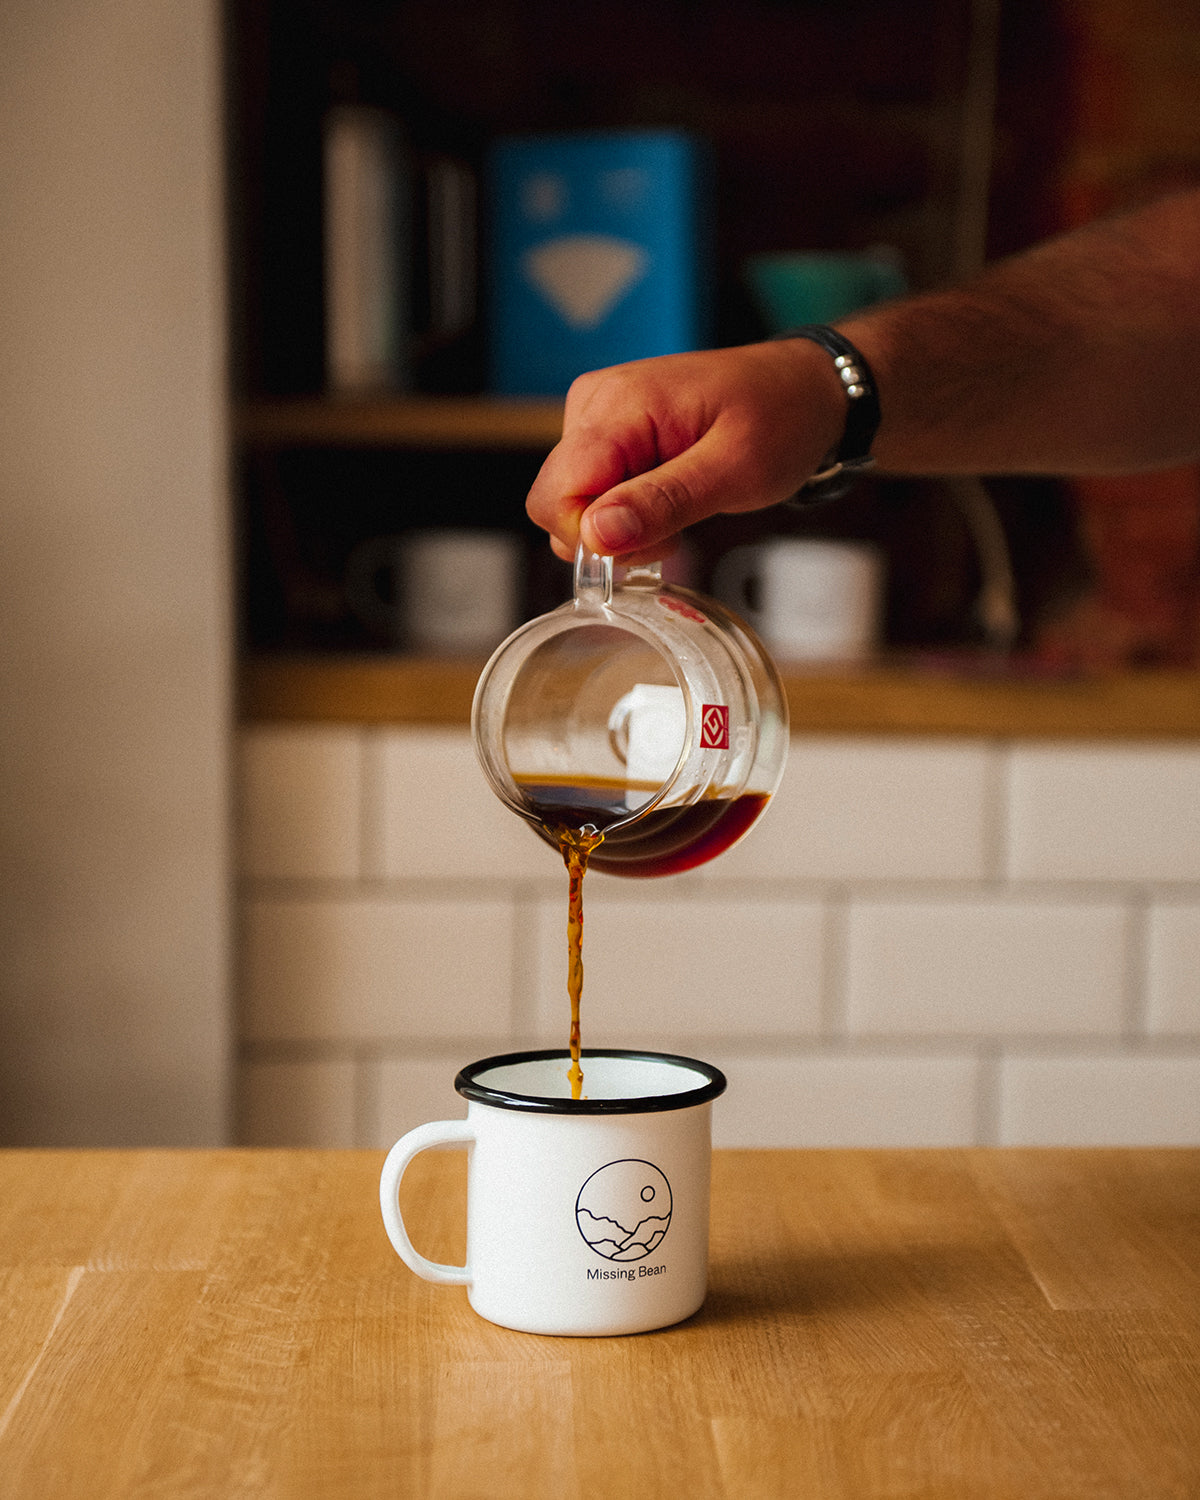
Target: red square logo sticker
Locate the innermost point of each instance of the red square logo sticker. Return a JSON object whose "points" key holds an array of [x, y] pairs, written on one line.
{"points": [[714, 727]]}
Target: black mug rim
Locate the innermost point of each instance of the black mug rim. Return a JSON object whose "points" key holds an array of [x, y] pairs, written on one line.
{"points": [[469, 1088]]}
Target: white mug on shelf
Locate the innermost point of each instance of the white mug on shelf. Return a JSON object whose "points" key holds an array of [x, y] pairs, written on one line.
{"points": [[584, 1216], [453, 591], [811, 599]]}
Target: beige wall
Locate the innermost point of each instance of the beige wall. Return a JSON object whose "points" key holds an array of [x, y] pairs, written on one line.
{"points": [[114, 634]]}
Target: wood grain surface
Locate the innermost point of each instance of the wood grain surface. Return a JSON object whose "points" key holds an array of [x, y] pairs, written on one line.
{"points": [[989, 1323]]}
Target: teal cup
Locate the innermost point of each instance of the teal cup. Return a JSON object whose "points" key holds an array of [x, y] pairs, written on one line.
{"points": [[798, 287]]}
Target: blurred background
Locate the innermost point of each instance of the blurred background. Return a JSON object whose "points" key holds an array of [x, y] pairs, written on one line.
{"points": [[256, 281]]}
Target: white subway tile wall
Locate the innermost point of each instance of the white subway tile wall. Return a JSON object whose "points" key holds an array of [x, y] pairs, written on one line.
{"points": [[662, 969], [873, 810], [402, 1092], [992, 965], [1174, 969], [1104, 812], [378, 968], [433, 814], [847, 1099], [1094, 1099], [282, 1103], [926, 942], [300, 801]]}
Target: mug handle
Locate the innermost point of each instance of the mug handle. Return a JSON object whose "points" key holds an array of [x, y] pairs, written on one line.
{"points": [[732, 577], [437, 1133], [363, 567]]}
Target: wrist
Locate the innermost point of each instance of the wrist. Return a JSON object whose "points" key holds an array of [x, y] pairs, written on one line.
{"points": [[848, 454], [814, 407]]}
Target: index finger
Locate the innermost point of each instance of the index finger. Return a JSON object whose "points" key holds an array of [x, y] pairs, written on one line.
{"points": [[575, 472]]}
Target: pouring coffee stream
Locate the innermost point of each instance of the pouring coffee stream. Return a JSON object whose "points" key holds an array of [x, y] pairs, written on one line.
{"points": [[639, 728]]}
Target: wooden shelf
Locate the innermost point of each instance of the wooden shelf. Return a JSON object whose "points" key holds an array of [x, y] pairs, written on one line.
{"points": [[359, 690], [416, 422], [878, 700]]}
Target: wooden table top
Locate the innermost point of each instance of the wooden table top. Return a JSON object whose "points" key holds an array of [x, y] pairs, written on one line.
{"points": [[954, 1323]]}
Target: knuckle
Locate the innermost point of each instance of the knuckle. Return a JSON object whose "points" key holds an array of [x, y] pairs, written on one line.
{"points": [[584, 388], [669, 500]]}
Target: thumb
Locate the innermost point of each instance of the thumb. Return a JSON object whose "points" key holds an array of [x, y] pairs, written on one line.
{"points": [[651, 508]]}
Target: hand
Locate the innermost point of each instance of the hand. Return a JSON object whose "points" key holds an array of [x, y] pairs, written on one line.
{"points": [[653, 446]]}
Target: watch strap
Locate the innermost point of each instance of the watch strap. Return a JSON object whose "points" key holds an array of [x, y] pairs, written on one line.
{"points": [[852, 456]]}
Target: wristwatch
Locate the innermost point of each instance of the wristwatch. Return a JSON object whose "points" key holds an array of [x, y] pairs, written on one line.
{"points": [[842, 465]]}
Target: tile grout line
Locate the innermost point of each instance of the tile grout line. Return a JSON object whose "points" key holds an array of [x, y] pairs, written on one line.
{"points": [[988, 1106], [833, 1019], [997, 822], [1136, 986]]}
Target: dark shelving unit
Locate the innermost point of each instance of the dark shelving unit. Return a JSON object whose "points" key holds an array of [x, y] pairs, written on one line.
{"points": [[829, 127]]}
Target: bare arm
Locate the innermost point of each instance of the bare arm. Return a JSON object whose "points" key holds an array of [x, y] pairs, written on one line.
{"points": [[1080, 356]]}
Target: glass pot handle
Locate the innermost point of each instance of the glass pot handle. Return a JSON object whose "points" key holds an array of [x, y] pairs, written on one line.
{"points": [[593, 577]]}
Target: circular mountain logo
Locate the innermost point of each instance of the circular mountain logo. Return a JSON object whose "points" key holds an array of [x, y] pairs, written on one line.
{"points": [[624, 1210]]}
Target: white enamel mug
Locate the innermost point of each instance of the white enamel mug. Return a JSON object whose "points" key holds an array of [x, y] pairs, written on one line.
{"points": [[451, 590], [811, 599], [585, 1216]]}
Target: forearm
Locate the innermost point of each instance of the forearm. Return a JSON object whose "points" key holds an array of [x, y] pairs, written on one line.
{"points": [[1081, 356]]}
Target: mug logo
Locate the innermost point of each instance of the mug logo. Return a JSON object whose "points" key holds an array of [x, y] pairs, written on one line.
{"points": [[624, 1210], [714, 727]]}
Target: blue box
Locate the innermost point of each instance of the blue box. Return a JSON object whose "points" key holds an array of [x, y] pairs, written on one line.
{"points": [[599, 254]]}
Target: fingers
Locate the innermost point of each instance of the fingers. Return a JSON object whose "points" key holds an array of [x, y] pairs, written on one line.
{"points": [[655, 446], [640, 518], [585, 488], [649, 510], [606, 438], [560, 518], [646, 513]]}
